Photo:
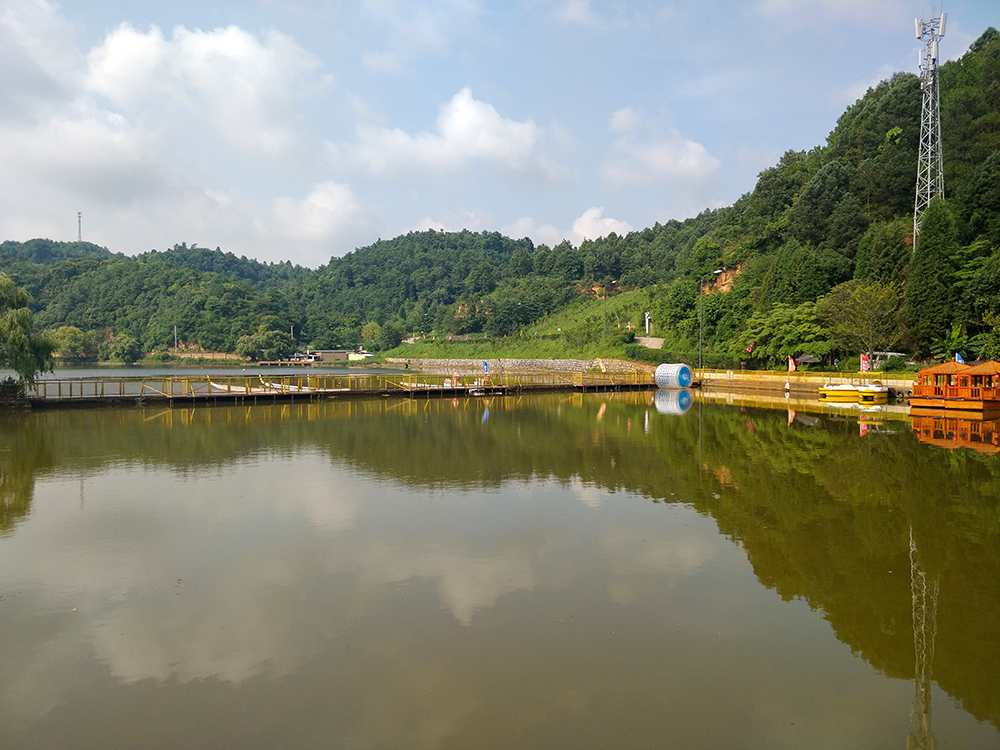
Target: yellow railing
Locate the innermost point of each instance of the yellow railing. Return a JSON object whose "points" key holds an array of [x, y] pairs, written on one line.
{"points": [[770, 377], [207, 386]]}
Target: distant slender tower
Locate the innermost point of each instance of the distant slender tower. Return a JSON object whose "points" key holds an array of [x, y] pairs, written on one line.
{"points": [[930, 167], [79, 226]]}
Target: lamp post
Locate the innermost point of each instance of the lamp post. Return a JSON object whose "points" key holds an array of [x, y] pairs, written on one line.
{"points": [[613, 281], [701, 306]]}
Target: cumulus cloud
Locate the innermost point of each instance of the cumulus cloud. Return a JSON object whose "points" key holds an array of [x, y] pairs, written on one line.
{"points": [[666, 160], [624, 120], [455, 219], [539, 233], [244, 87], [578, 12], [93, 152], [321, 215], [591, 225], [644, 155], [468, 132], [118, 132], [39, 60]]}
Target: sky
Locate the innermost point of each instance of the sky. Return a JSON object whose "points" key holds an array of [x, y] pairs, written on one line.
{"points": [[302, 130]]}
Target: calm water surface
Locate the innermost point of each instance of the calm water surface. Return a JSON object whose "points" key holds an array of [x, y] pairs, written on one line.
{"points": [[552, 571]]}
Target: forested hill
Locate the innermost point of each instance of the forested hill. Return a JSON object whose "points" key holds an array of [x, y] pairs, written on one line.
{"points": [[47, 251], [822, 230], [253, 272]]}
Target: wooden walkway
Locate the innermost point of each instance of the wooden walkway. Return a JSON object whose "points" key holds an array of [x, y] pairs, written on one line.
{"points": [[260, 388]]}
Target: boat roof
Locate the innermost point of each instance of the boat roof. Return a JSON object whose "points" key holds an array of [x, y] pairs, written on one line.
{"points": [[946, 368], [989, 367]]}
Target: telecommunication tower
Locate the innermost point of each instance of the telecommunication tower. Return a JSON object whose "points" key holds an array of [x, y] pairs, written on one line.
{"points": [[79, 226], [930, 167]]}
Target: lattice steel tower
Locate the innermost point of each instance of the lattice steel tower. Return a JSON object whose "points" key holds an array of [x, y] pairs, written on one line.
{"points": [[930, 167]]}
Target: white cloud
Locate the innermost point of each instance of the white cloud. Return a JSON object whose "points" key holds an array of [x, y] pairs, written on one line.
{"points": [[91, 152], [427, 223], [468, 132], [578, 12], [39, 60], [327, 211], [624, 120], [667, 160], [118, 134], [591, 225], [244, 87], [382, 61], [527, 227], [455, 219]]}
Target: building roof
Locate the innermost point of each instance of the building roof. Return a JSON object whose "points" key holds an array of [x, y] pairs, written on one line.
{"points": [[988, 367], [946, 368]]}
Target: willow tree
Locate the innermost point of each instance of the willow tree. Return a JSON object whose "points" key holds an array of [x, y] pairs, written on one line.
{"points": [[21, 350]]}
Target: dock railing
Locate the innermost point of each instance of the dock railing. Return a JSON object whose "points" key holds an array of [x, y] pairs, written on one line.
{"points": [[777, 379], [198, 387], [959, 392]]}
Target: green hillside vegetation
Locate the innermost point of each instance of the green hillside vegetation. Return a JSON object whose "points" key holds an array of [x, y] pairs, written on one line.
{"points": [[819, 249]]}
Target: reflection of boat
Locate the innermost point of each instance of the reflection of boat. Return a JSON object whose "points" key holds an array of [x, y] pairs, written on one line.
{"points": [[946, 429], [955, 385], [848, 393]]}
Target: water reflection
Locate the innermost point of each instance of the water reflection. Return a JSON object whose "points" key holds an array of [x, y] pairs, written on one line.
{"points": [[446, 569]]}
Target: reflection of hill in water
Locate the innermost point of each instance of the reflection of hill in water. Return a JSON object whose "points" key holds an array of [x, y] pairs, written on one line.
{"points": [[822, 514]]}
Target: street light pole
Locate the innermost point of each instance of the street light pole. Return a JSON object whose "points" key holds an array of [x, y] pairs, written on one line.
{"points": [[701, 306]]}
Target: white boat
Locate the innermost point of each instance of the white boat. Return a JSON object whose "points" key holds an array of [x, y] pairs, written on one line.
{"points": [[849, 393]]}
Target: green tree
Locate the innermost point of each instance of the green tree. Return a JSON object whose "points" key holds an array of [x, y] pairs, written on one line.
{"points": [[69, 341], [883, 253], [929, 293], [23, 351], [266, 344], [390, 337], [864, 316], [125, 349], [781, 332], [988, 343], [370, 333]]}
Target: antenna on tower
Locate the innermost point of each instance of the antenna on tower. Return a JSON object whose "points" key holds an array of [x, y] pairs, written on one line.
{"points": [[930, 165], [79, 226]]}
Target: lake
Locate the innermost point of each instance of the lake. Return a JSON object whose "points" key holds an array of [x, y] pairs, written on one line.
{"points": [[561, 570]]}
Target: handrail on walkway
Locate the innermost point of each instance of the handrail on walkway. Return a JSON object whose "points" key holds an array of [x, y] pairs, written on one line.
{"points": [[207, 386]]}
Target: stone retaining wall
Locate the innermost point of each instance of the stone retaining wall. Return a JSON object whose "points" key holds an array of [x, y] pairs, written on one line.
{"points": [[475, 366]]}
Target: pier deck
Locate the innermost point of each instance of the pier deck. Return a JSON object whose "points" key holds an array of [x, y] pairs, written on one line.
{"points": [[263, 388]]}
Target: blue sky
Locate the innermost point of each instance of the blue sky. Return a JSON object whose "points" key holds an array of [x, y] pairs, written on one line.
{"points": [[300, 131]]}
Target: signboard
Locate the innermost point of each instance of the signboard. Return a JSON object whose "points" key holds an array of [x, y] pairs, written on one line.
{"points": [[864, 363]]}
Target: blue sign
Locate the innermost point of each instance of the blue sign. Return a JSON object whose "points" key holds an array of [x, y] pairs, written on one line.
{"points": [[486, 367]]}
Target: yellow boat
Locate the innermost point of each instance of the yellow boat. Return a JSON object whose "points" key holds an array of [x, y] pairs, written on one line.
{"points": [[848, 393]]}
